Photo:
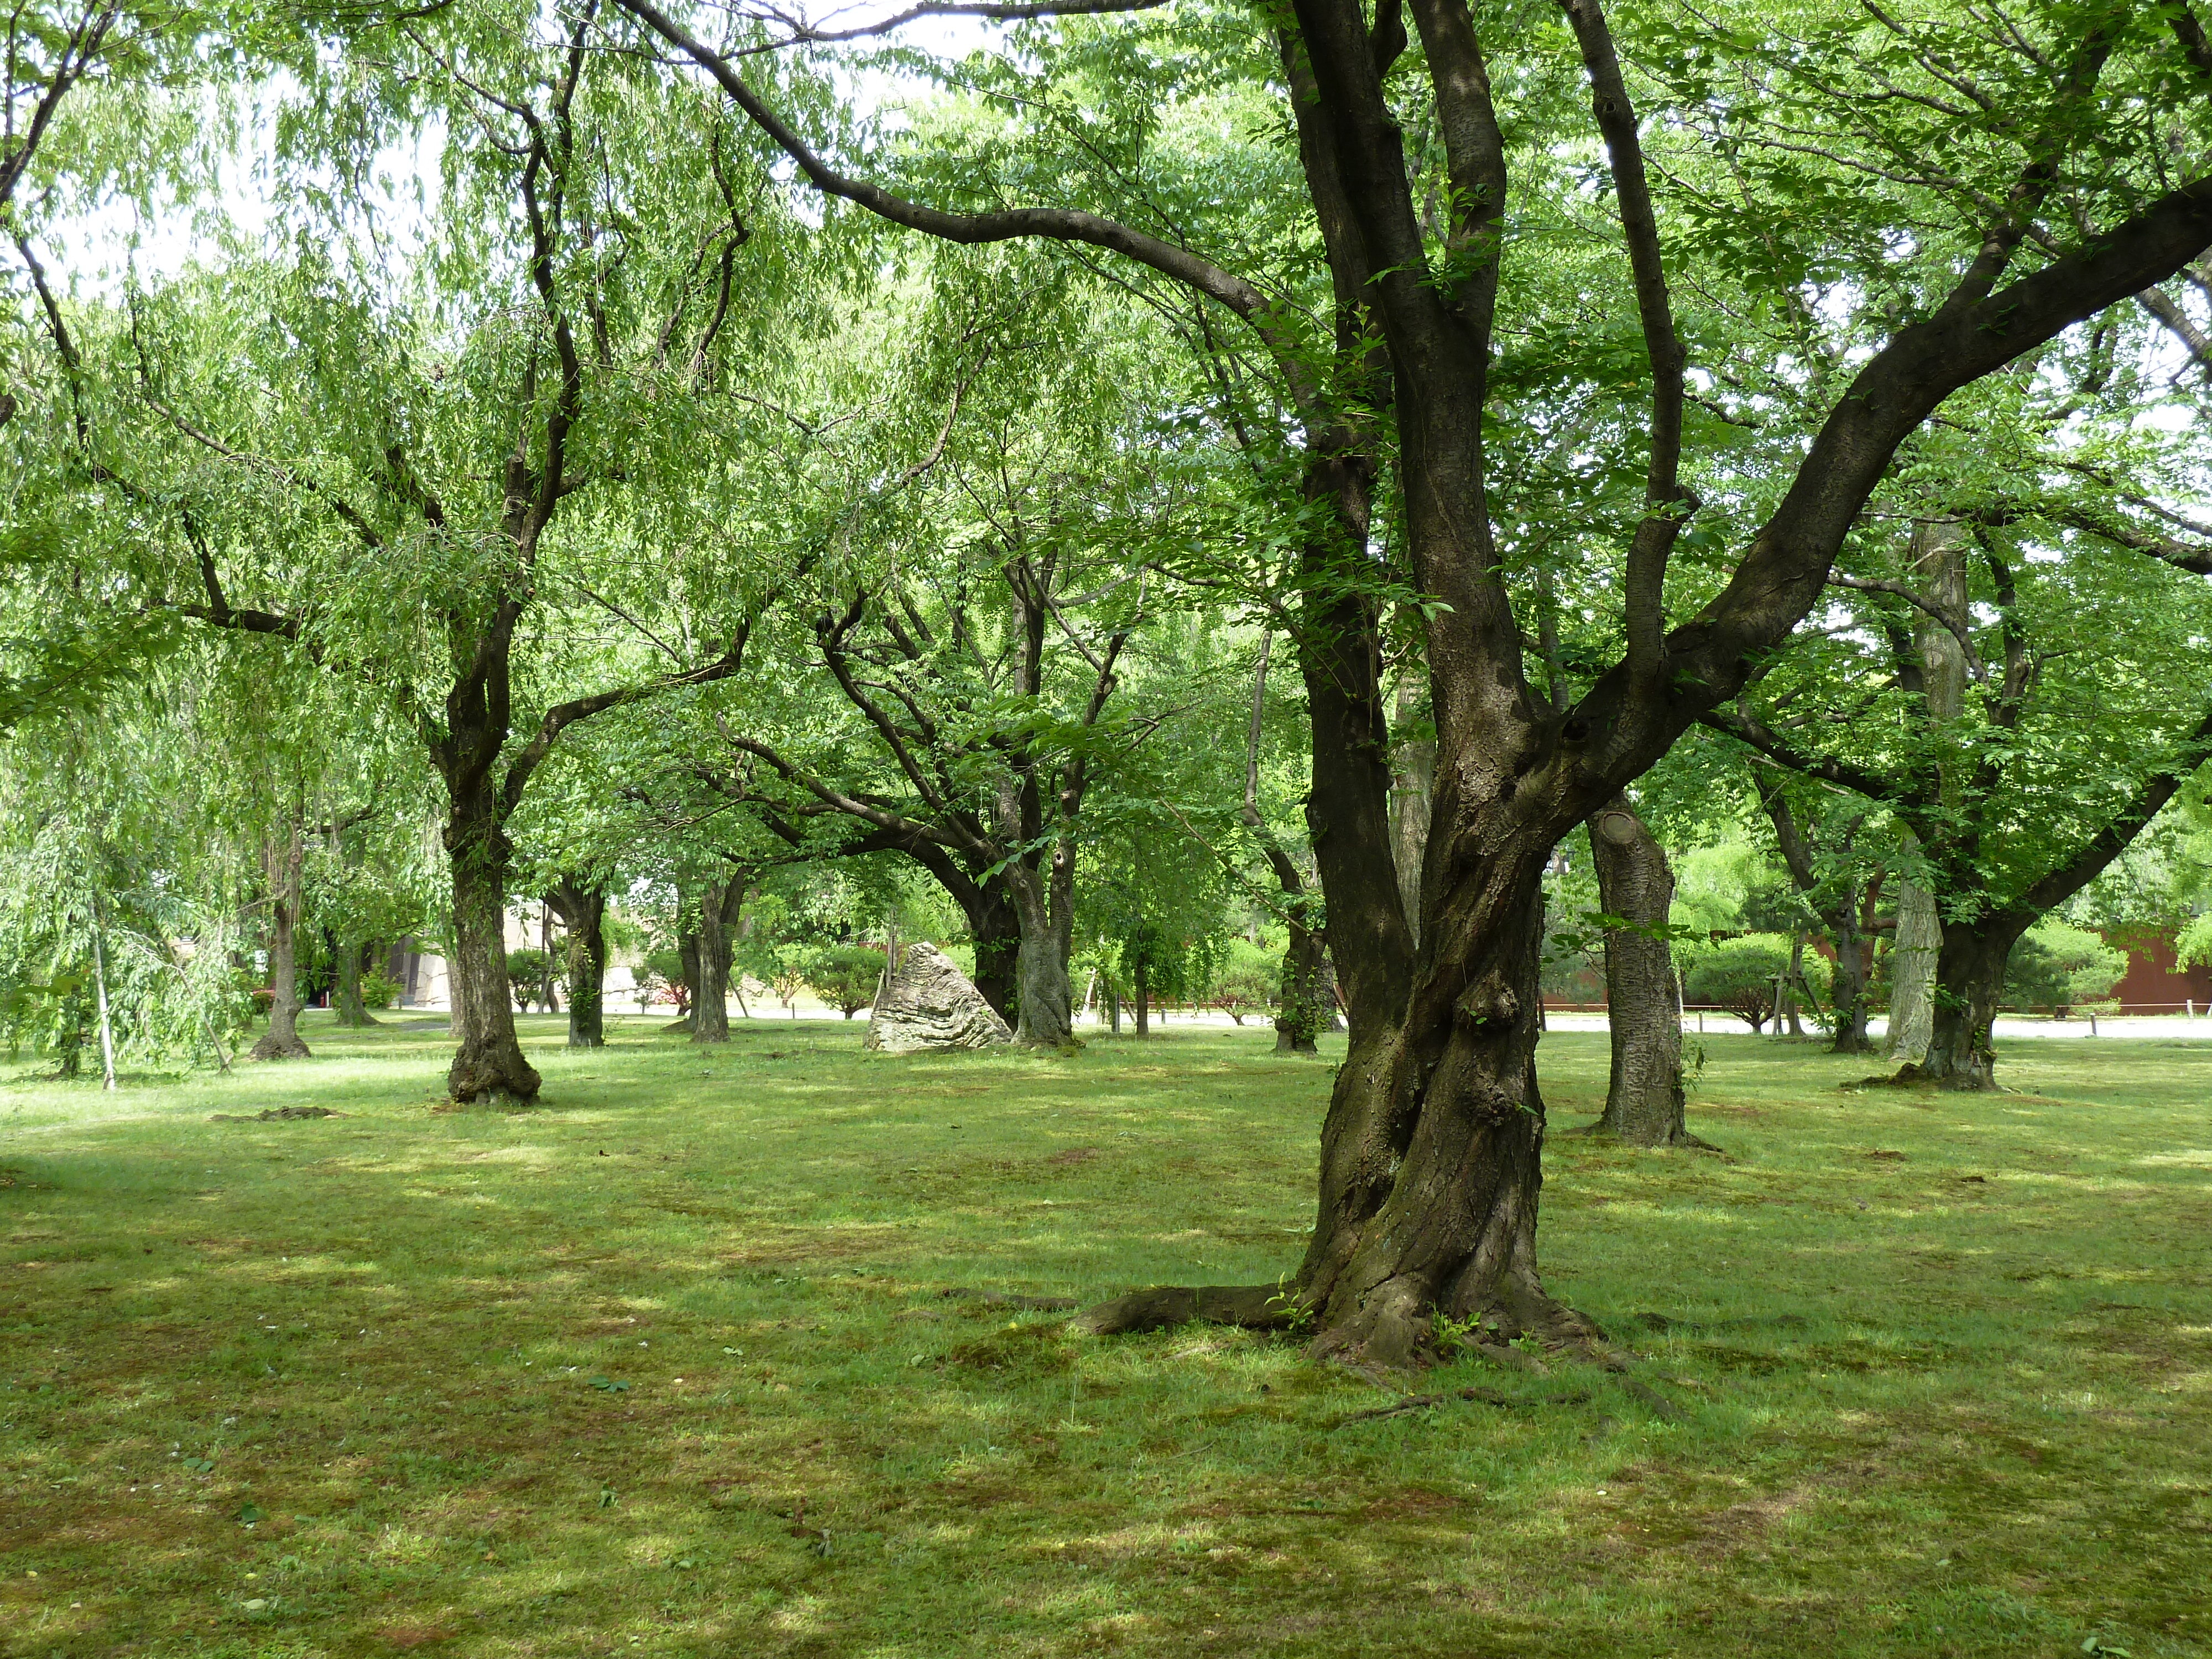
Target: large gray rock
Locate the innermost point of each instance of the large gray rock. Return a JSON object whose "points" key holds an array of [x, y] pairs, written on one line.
{"points": [[930, 1004]]}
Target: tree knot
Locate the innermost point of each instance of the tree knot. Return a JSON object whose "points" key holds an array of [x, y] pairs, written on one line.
{"points": [[1487, 1005]]}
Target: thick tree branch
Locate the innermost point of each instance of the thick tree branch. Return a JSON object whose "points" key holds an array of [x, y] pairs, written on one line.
{"points": [[1666, 506], [1266, 316]]}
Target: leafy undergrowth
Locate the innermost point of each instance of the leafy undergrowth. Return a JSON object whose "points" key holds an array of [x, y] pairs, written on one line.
{"points": [[694, 1359]]}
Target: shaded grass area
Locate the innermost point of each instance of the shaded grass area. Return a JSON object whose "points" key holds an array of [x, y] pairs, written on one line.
{"points": [[669, 1365]]}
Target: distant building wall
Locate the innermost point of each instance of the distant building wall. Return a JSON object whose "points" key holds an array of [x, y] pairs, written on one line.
{"points": [[2153, 982]]}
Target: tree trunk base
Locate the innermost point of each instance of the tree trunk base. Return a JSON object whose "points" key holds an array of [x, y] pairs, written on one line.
{"points": [[273, 1046], [582, 1039], [1068, 1044], [492, 1075], [1975, 1079], [681, 1023], [1391, 1330], [1677, 1137], [357, 1022], [1288, 1042], [1851, 1043]]}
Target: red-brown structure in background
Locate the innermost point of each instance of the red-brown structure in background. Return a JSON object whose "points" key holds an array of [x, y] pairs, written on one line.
{"points": [[2153, 984]]}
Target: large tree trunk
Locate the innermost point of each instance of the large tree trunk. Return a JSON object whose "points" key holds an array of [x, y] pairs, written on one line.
{"points": [[1969, 974], [488, 1064], [352, 1011], [1912, 956], [583, 904], [996, 932], [1046, 1001], [717, 949], [284, 860], [1431, 1156], [1643, 1101]]}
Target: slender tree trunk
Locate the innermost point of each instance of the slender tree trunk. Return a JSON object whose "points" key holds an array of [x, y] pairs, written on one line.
{"points": [[1643, 1101], [1298, 1018], [687, 952], [717, 949], [1114, 1007], [1144, 999], [285, 862], [1938, 561], [583, 904], [100, 988], [488, 1064], [1794, 990], [1969, 974]]}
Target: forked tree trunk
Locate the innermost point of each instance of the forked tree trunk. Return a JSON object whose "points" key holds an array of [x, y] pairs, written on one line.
{"points": [[1643, 1100], [1854, 967], [488, 1064], [717, 949], [285, 862], [583, 904], [1970, 971]]}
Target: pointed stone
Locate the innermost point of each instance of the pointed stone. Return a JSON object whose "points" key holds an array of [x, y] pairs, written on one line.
{"points": [[929, 1003]]}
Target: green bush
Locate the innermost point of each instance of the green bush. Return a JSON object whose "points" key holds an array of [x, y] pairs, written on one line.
{"points": [[1246, 981], [1737, 975], [2059, 968], [845, 976], [659, 974], [378, 989], [525, 972]]}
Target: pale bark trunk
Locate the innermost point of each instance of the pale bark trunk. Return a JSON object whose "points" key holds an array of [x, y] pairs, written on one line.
{"points": [[1413, 781], [1643, 1101], [1939, 561], [1913, 954]]}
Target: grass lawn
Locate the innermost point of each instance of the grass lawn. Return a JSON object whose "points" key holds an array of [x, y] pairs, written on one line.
{"points": [[694, 1359]]}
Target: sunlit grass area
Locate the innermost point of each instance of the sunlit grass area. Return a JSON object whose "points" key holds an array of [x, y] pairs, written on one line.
{"points": [[708, 1355]]}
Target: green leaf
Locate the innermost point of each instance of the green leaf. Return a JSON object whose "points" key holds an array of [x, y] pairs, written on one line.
{"points": [[248, 1514]]}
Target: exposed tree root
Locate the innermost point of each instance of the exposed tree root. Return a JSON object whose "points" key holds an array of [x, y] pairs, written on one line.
{"points": [[1008, 1299], [1421, 1402], [1255, 1307], [272, 1047]]}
